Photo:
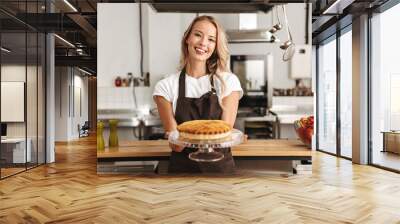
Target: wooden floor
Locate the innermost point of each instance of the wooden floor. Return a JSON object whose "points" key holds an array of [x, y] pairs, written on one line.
{"points": [[387, 159], [70, 191], [10, 171], [5, 172]]}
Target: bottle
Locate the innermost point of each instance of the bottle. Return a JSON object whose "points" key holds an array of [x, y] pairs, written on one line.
{"points": [[118, 81], [100, 139], [113, 140]]}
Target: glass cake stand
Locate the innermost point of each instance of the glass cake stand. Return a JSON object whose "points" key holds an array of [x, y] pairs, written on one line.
{"points": [[206, 152]]}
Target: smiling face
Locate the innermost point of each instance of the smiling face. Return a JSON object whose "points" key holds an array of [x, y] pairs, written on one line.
{"points": [[202, 40]]}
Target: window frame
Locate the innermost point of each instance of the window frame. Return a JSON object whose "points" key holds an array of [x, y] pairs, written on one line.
{"points": [[334, 37]]}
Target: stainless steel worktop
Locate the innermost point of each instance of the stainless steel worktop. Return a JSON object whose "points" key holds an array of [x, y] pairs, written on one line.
{"points": [[144, 125], [125, 119], [270, 117], [150, 120], [148, 123], [130, 118]]}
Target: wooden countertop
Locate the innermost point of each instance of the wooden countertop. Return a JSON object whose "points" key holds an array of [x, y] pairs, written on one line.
{"points": [[251, 148]]}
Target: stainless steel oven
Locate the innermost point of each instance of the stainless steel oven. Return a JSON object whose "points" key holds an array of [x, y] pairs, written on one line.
{"points": [[255, 75]]}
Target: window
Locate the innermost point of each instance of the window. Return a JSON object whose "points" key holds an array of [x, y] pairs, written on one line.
{"points": [[346, 93], [327, 97], [385, 88], [22, 77]]}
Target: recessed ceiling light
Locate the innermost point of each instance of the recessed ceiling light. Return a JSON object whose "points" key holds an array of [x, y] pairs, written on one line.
{"points": [[337, 7], [84, 71], [64, 40], [5, 50], [70, 5]]}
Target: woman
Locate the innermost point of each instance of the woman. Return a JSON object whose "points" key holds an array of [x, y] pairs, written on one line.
{"points": [[204, 89]]}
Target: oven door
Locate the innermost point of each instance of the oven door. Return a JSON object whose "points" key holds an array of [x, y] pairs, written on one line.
{"points": [[255, 76]]}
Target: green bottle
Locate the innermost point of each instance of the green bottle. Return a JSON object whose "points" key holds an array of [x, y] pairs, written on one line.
{"points": [[100, 139], [113, 141]]}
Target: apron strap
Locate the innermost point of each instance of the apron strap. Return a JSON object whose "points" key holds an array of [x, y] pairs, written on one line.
{"points": [[182, 87], [212, 83]]}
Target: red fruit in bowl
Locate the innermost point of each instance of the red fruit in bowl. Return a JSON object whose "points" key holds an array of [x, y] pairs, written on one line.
{"points": [[303, 121], [305, 129], [310, 120], [309, 134]]}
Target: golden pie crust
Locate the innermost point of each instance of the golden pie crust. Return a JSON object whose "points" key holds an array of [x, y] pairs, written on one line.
{"points": [[204, 129]]}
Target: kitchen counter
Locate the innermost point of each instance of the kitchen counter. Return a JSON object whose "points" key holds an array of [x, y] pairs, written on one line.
{"points": [[131, 119], [159, 149], [271, 118], [292, 108], [283, 156], [132, 124], [291, 118], [126, 118]]}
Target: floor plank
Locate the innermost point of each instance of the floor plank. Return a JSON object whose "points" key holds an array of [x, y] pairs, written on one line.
{"points": [[70, 191]]}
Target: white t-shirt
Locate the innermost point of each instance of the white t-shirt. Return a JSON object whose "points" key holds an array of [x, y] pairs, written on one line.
{"points": [[195, 87]]}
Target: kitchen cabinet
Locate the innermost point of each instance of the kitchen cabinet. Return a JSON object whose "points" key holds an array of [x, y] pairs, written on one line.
{"points": [[300, 65], [391, 141]]}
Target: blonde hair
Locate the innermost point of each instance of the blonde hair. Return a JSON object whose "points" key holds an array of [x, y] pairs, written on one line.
{"points": [[218, 61]]}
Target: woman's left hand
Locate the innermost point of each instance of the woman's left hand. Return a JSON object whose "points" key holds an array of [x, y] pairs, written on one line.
{"points": [[176, 148]]}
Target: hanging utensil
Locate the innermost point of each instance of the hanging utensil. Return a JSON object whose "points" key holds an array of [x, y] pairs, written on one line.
{"points": [[274, 39], [288, 45], [289, 52], [277, 26]]}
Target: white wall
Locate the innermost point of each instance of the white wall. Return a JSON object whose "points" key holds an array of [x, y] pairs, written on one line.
{"points": [[118, 41], [79, 117], [61, 103], [68, 80], [119, 44], [15, 72], [119, 47], [33, 126]]}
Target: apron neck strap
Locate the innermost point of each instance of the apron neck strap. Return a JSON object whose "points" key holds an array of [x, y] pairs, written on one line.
{"points": [[212, 83], [182, 83]]}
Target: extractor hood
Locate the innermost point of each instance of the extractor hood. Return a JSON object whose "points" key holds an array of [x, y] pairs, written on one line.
{"points": [[211, 7], [216, 6], [226, 6], [250, 36]]}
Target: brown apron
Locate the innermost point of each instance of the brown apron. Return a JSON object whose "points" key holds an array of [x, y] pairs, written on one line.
{"points": [[204, 108]]}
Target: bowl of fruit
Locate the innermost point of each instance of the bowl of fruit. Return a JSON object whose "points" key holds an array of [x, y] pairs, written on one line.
{"points": [[305, 129]]}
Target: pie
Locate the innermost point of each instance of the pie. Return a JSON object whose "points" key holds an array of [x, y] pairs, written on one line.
{"points": [[204, 129]]}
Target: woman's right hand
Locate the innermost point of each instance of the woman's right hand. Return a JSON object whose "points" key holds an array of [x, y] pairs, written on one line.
{"points": [[245, 138], [176, 148]]}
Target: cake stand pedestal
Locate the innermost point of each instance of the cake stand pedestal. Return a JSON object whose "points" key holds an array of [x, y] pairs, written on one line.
{"points": [[206, 148]]}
